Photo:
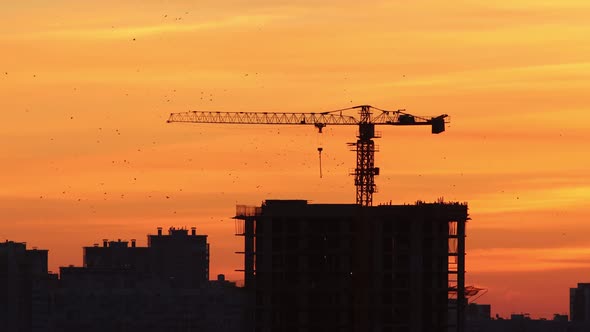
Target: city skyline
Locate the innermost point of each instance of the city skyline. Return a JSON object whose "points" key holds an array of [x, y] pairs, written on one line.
{"points": [[87, 88]]}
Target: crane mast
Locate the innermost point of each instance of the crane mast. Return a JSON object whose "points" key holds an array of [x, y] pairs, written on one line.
{"points": [[365, 171]]}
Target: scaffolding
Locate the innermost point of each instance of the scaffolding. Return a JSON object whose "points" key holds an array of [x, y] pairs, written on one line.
{"points": [[245, 226], [456, 275]]}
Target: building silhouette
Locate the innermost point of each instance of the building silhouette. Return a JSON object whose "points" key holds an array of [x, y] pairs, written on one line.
{"points": [[343, 267], [178, 258], [523, 322], [25, 286], [162, 287], [121, 288], [115, 301], [478, 312], [580, 303]]}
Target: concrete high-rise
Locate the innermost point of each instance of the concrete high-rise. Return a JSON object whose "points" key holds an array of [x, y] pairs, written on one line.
{"points": [[344, 267]]}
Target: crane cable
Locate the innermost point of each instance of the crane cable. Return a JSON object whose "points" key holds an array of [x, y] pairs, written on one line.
{"points": [[320, 155], [320, 149]]}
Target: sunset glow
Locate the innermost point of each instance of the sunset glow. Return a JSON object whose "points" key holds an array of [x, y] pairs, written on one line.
{"points": [[87, 154]]}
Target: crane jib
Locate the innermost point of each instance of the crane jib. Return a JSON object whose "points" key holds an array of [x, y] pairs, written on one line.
{"points": [[261, 118]]}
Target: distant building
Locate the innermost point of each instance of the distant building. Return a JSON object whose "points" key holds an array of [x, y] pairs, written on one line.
{"points": [[520, 317], [523, 322], [161, 287], [179, 258], [476, 311], [560, 317], [98, 300], [25, 288], [580, 303], [343, 267]]}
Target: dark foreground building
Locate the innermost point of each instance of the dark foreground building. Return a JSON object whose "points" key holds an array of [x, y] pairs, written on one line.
{"points": [[343, 267]]}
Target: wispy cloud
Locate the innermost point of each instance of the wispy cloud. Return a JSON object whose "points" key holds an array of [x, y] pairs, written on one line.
{"points": [[507, 77], [533, 199], [139, 31], [541, 4], [527, 259]]}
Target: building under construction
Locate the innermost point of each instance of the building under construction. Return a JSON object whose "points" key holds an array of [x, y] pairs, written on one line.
{"points": [[346, 267]]}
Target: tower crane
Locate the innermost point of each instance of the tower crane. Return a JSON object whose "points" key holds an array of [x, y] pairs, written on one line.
{"points": [[365, 171]]}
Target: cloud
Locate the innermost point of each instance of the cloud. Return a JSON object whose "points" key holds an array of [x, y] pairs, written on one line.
{"points": [[142, 31], [541, 4], [533, 199], [527, 77], [528, 259]]}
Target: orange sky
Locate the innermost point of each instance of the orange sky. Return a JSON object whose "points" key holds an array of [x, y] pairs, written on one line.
{"points": [[85, 90]]}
